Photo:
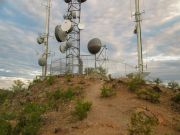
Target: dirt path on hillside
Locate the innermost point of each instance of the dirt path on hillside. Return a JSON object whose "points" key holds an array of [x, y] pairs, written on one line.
{"points": [[103, 118], [111, 116]]}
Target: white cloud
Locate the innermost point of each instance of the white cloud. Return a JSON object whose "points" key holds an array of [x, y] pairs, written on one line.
{"points": [[109, 20]]}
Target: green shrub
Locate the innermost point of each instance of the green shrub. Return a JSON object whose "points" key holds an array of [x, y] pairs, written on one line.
{"points": [[18, 86], [107, 92], [173, 85], [148, 94], [4, 95], [8, 115], [102, 71], [157, 81], [177, 126], [37, 80], [50, 80], [141, 124], [29, 121], [5, 128], [58, 96], [55, 95], [176, 98], [68, 77], [135, 83], [81, 109], [89, 71], [34, 107], [68, 94]]}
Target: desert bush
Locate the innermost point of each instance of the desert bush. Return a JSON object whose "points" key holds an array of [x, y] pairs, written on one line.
{"points": [[173, 85], [8, 115], [54, 95], [29, 121], [157, 81], [4, 95], [135, 83], [5, 128], [18, 86], [37, 80], [81, 109], [102, 71], [148, 94], [177, 126], [99, 70], [60, 96], [68, 94], [141, 124], [176, 98], [68, 77], [50, 80], [89, 71], [107, 92]]}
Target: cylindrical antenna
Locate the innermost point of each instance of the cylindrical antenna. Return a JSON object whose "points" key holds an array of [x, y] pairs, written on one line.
{"points": [[139, 38]]}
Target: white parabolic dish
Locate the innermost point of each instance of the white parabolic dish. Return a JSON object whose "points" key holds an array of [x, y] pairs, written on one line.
{"points": [[81, 26], [67, 26]]}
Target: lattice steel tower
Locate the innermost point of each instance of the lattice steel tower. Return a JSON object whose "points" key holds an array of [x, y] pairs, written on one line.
{"points": [[73, 61]]}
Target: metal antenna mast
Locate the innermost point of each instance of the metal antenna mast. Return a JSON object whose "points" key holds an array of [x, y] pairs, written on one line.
{"points": [[46, 41], [139, 38]]}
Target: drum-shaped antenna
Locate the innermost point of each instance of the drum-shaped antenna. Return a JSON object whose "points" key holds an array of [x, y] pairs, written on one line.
{"points": [[67, 1], [62, 47], [67, 26], [94, 45], [59, 34], [81, 1], [40, 40], [81, 26], [42, 61]]}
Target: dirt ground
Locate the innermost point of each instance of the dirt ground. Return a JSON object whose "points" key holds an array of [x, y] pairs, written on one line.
{"points": [[110, 116]]}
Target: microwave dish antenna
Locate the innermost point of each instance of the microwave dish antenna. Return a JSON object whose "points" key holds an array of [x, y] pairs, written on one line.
{"points": [[64, 46], [94, 46], [81, 26], [60, 34], [67, 1], [40, 40], [42, 61], [81, 1], [67, 26]]}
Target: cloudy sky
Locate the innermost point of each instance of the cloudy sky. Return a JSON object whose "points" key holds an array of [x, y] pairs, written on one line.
{"points": [[21, 21]]}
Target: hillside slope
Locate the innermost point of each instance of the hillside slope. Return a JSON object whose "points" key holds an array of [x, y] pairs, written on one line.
{"points": [[108, 116]]}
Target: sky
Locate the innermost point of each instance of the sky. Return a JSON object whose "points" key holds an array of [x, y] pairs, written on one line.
{"points": [[21, 21]]}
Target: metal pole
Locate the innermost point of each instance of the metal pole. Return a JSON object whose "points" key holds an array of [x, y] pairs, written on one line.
{"points": [[139, 38], [95, 62], [47, 33]]}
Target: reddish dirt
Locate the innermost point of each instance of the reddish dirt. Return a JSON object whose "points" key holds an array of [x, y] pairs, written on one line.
{"points": [[109, 116]]}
